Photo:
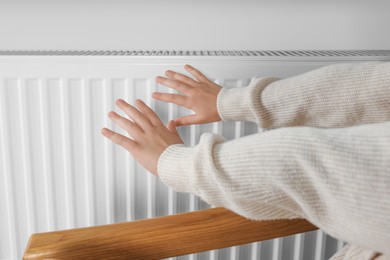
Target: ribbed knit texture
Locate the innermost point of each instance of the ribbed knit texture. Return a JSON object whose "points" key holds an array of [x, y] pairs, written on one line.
{"points": [[333, 96], [332, 168], [357, 253]]}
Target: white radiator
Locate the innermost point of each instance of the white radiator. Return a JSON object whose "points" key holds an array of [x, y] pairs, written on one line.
{"points": [[58, 172]]}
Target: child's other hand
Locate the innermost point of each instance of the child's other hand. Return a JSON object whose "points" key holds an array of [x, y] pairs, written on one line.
{"points": [[200, 96], [149, 136]]}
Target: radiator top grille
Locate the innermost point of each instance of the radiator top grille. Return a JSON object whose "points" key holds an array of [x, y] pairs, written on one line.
{"points": [[241, 53]]}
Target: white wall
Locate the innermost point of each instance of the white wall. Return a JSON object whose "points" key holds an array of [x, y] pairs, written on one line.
{"points": [[196, 24]]}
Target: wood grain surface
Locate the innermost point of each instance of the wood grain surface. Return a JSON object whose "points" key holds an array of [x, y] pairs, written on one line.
{"points": [[160, 237]]}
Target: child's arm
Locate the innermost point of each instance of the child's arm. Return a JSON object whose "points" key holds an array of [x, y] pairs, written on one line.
{"points": [[337, 178], [333, 96]]}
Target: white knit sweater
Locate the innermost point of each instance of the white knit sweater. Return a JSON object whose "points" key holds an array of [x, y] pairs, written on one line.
{"points": [[328, 161]]}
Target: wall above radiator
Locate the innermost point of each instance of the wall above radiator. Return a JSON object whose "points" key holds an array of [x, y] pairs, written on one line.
{"points": [[201, 24]]}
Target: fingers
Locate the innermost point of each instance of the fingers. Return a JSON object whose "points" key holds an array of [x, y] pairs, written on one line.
{"points": [[187, 120], [180, 77], [122, 140], [174, 84], [196, 73], [126, 124], [171, 98], [134, 114], [148, 112], [172, 127]]}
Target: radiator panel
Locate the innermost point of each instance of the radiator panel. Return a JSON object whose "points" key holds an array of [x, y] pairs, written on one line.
{"points": [[59, 172]]}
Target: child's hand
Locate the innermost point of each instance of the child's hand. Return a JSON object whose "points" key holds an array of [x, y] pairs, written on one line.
{"points": [[201, 96], [150, 136]]}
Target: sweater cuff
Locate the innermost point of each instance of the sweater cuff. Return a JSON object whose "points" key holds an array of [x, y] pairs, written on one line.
{"points": [[241, 104], [233, 105], [173, 169]]}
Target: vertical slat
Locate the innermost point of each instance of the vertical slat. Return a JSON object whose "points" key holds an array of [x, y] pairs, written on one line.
{"points": [[254, 251], [235, 250], [46, 156], [216, 130], [172, 196], [237, 131], [87, 149], [7, 173], [340, 245], [130, 166], [213, 254], [193, 198], [320, 245], [67, 157], [26, 158], [151, 179], [277, 249], [298, 246], [216, 125], [108, 155], [259, 130], [238, 124]]}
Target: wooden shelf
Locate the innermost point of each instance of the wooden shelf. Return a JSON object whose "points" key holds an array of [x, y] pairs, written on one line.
{"points": [[160, 237]]}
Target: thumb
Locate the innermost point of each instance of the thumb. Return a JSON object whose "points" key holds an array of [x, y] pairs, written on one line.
{"points": [[172, 127]]}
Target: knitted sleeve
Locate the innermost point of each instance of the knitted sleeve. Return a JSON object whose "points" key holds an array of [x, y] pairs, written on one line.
{"points": [[333, 96], [337, 178]]}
